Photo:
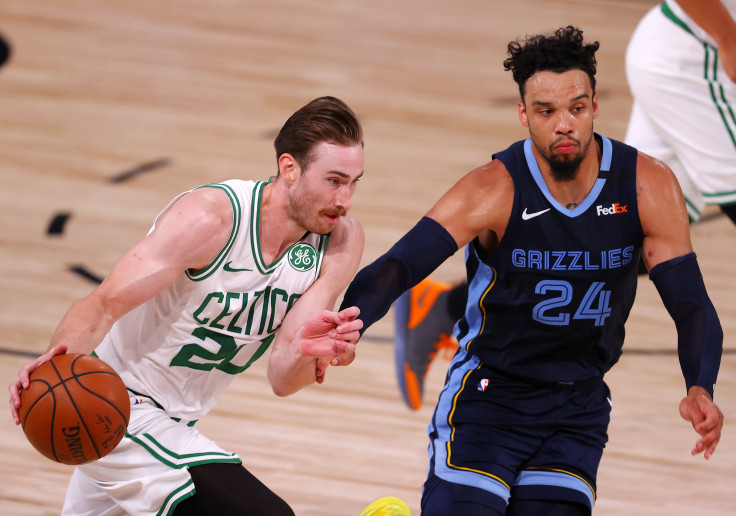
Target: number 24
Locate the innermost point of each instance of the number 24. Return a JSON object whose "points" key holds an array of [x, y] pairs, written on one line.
{"points": [[595, 304]]}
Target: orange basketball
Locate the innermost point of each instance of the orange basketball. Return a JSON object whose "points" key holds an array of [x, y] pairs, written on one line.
{"points": [[75, 410]]}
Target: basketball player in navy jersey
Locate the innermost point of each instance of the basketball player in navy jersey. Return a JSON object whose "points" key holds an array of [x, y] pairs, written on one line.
{"points": [[681, 68], [554, 227]]}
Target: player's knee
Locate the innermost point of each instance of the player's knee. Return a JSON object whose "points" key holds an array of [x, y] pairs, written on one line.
{"points": [[546, 508], [441, 498], [230, 489]]}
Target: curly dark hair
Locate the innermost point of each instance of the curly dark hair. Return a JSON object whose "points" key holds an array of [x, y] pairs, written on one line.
{"points": [[558, 52]]}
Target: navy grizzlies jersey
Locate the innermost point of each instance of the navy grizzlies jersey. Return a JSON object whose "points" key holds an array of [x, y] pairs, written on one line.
{"points": [[552, 299]]}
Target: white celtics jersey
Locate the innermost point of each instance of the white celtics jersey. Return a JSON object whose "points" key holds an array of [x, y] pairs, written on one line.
{"points": [[183, 347], [693, 27]]}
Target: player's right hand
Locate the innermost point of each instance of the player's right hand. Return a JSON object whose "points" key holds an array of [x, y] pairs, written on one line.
{"points": [[23, 381]]}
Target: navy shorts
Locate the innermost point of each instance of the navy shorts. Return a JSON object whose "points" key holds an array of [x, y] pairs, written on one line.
{"points": [[494, 437]]}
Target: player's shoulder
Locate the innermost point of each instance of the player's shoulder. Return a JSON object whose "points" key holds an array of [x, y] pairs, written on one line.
{"points": [[215, 203], [490, 181], [657, 187], [493, 174], [652, 173], [205, 213]]}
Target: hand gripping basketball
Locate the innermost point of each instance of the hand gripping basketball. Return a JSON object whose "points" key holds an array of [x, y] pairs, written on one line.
{"points": [[75, 409]]}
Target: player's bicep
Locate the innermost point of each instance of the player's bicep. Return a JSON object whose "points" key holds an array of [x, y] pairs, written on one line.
{"points": [[187, 236], [479, 201], [340, 264], [662, 212], [343, 255]]}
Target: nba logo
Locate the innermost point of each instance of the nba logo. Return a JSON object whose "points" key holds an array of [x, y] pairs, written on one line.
{"points": [[483, 384]]}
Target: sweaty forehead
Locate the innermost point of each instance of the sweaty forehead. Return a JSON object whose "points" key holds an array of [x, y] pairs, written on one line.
{"points": [[329, 156], [550, 86]]}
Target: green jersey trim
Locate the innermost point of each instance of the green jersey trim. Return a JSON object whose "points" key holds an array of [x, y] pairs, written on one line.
{"points": [[177, 496], [710, 73], [255, 237], [255, 231], [176, 461], [324, 240], [673, 17], [237, 217]]}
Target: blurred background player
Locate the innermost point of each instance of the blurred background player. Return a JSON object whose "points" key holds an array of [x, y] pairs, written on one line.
{"points": [[681, 68]]}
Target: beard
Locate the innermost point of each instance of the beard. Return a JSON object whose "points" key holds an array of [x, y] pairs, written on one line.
{"points": [[565, 168], [301, 209]]}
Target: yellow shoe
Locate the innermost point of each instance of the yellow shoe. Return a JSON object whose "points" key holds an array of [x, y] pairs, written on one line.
{"points": [[387, 506]]}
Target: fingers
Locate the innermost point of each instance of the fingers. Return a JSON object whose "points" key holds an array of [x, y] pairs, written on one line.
{"points": [[707, 444], [343, 359], [321, 368], [350, 328], [14, 388], [23, 380], [710, 431], [345, 320], [712, 419], [340, 346], [707, 420], [349, 313]]}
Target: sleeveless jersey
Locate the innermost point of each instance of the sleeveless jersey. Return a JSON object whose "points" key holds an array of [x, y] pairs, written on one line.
{"points": [[550, 302], [689, 24], [182, 347]]}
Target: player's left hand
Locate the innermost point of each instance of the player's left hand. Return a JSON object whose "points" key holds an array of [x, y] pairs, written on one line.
{"points": [[331, 337], [342, 359], [706, 418]]}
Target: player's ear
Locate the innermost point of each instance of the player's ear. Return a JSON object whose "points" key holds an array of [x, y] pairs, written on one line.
{"points": [[523, 118], [289, 168], [595, 105]]}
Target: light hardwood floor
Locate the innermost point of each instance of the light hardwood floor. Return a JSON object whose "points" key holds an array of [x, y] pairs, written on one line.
{"points": [[95, 89]]}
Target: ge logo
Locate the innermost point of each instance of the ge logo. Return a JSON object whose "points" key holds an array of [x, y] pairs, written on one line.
{"points": [[302, 257]]}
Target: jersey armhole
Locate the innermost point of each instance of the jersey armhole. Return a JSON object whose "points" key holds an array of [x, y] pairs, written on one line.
{"points": [[237, 218]]}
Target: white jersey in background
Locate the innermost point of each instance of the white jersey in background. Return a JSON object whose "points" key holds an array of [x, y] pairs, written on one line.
{"points": [[684, 109]]}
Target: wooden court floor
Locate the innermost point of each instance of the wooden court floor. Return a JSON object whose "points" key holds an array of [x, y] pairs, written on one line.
{"points": [[109, 109]]}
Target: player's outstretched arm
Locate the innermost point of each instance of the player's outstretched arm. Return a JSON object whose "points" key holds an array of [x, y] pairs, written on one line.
{"points": [[189, 234], [673, 267]]}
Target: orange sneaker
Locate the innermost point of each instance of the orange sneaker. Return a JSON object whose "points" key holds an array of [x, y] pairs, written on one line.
{"points": [[423, 327]]}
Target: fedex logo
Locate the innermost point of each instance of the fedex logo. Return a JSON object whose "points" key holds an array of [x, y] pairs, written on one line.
{"points": [[611, 210]]}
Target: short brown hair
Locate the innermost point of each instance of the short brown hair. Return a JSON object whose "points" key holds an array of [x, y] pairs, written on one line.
{"points": [[325, 119]]}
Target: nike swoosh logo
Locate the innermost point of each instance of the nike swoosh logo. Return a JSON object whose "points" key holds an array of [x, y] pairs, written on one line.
{"points": [[527, 216], [228, 268]]}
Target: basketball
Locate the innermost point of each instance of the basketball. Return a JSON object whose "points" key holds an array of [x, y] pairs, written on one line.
{"points": [[75, 410]]}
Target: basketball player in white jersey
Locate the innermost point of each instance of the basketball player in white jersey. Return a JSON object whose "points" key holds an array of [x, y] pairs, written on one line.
{"points": [[681, 68], [227, 271]]}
